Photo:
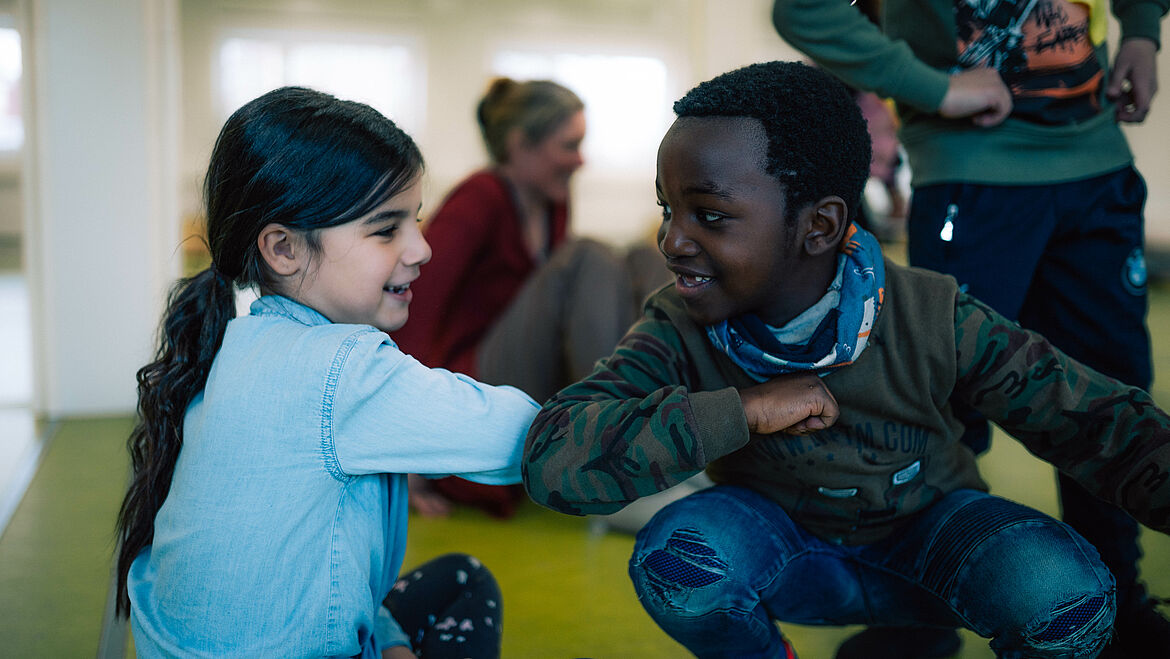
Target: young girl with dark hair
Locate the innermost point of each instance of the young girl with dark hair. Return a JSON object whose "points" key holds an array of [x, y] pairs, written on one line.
{"points": [[267, 511]]}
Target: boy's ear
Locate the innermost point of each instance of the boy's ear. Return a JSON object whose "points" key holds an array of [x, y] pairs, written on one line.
{"points": [[826, 220], [282, 249]]}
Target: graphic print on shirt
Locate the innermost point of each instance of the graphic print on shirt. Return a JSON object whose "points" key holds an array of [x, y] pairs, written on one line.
{"points": [[1041, 48]]}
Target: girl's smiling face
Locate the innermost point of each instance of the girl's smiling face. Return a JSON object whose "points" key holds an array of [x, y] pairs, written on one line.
{"points": [[724, 231], [363, 270]]}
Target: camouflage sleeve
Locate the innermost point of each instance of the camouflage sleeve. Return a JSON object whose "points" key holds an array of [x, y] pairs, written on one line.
{"points": [[1108, 436], [630, 429]]}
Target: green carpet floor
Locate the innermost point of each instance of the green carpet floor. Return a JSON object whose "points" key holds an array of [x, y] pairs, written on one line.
{"points": [[55, 553], [565, 588]]}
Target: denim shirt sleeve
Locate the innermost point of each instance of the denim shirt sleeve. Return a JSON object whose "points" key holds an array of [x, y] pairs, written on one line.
{"points": [[384, 412]]}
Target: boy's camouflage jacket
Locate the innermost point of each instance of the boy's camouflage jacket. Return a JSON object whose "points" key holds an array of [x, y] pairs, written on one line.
{"points": [[665, 406]]}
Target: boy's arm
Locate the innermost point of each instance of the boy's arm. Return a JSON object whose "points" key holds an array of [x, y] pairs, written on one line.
{"points": [[630, 429], [1108, 436], [1141, 19], [1133, 81], [839, 38]]}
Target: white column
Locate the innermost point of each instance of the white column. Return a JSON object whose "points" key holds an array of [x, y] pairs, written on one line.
{"points": [[101, 212]]}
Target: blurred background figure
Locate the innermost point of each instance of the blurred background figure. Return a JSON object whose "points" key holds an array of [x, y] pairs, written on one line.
{"points": [[883, 210], [536, 307]]}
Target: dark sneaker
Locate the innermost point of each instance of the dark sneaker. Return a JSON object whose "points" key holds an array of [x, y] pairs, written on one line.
{"points": [[1140, 630], [900, 643]]}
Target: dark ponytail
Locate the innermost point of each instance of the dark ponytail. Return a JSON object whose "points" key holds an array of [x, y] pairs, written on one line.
{"points": [[257, 176], [198, 311]]}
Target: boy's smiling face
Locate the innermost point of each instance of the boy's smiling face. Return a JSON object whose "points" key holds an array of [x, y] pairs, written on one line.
{"points": [[724, 232]]}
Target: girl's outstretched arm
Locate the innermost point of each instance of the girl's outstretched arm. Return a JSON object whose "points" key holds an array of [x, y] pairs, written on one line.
{"points": [[392, 414]]}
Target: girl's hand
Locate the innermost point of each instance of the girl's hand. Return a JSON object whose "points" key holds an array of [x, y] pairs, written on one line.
{"points": [[796, 404], [398, 652], [424, 500]]}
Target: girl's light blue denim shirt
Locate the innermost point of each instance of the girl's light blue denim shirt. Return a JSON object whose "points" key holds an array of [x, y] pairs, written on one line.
{"points": [[285, 525]]}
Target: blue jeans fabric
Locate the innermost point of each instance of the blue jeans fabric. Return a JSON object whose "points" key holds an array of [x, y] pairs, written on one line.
{"points": [[717, 568]]}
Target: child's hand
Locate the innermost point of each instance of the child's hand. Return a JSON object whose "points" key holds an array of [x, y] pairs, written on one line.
{"points": [[424, 500], [796, 404], [398, 652], [977, 93], [1134, 80]]}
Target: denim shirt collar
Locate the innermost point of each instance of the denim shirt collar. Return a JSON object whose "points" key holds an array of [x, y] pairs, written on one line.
{"points": [[282, 306]]}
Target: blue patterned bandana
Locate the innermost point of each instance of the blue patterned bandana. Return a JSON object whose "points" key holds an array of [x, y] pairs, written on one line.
{"points": [[837, 340]]}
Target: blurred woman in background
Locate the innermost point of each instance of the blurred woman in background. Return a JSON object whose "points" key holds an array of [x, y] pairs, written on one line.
{"points": [[535, 307]]}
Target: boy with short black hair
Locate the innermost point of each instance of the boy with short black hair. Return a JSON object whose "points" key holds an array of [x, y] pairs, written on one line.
{"points": [[872, 512]]}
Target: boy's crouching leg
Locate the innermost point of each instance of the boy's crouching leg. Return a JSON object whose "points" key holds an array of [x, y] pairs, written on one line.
{"points": [[1072, 621], [1078, 628], [700, 579], [1029, 582]]}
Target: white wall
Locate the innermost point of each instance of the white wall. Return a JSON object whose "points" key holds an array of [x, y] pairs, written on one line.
{"points": [[458, 39], [99, 206], [11, 222], [453, 37], [10, 201]]}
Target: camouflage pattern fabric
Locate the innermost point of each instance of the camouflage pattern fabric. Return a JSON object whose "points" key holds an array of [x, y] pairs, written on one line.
{"points": [[664, 406]]}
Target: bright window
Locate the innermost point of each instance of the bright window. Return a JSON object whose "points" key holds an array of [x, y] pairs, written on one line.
{"points": [[627, 108], [11, 125], [385, 74]]}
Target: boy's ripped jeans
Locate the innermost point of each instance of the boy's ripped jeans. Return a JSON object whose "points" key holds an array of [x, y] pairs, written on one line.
{"points": [[717, 568]]}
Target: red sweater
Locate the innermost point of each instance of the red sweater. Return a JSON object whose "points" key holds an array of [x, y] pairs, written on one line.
{"points": [[478, 265]]}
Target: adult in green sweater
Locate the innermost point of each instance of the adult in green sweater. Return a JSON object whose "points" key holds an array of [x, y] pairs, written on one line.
{"points": [[812, 380], [1024, 190]]}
